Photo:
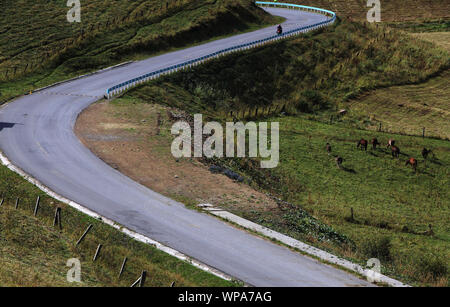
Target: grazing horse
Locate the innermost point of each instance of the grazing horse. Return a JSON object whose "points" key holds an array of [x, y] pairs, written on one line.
{"points": [[426, 152], [374, 143], [363, 143], [339, 161], [412, 162], [395, 151], [328, 147], [390, 143]]}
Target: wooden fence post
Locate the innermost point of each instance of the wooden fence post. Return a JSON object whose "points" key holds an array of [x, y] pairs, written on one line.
{"points": [[36, 207], [142, 279], [57, 219], [84, 234], [99, 248], [122, 268]]}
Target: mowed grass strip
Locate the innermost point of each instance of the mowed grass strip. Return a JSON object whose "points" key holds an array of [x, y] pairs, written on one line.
{"points": [[34, 253], [409, 109]]}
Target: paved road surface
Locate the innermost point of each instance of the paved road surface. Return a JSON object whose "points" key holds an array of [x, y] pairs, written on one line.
{"points": [[36, 134]]}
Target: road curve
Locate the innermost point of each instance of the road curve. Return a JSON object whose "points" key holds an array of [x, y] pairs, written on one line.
{"points": [[36, 134]]}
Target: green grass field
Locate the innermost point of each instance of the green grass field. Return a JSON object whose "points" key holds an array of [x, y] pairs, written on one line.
{"points": [[34, 253], [388, 199]]}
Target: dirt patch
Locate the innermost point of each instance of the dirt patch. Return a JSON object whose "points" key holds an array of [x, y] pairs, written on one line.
{"points": [[136, 139]]}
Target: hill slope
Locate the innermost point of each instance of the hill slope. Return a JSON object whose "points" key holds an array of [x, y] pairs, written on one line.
{"points": [[47, 48], [309, 73], [410, 108]]}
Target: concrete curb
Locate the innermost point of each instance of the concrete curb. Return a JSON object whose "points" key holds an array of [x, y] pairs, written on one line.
{"points": [[308, 249], [141, 238]]}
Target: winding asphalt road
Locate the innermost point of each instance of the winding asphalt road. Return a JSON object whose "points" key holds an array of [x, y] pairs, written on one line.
{"points": [[36, 134]]}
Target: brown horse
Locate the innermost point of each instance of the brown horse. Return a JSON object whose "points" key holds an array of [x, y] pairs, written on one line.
{"points": [[374, 143], [363, 143], [395, 151], [412, 162]]}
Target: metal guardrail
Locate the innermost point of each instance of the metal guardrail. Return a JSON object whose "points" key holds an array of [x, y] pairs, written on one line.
{"points": [[120, 88]]}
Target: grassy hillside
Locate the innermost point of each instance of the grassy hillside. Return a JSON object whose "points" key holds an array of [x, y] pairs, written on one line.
{"points": [[409, 109], [309, 73], [389, 200], [406, 109], [315, 74], [47, 48], [391, 10], [34, 253]]}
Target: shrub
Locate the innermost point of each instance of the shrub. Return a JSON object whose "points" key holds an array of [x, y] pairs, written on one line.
{"points": [[379, 248], [432, 267]]}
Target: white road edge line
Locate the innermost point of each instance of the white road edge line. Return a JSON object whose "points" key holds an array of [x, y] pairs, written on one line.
{"points": [[141, 238], [308, 249]]}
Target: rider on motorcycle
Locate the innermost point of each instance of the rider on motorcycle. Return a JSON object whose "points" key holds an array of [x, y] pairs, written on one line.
{"points": [[279, 30]]}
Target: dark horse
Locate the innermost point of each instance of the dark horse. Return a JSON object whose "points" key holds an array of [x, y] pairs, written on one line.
{"points": [[374, 143], [395, 151], [339, 161], [412, 162], [363, 143], [426, 152]]}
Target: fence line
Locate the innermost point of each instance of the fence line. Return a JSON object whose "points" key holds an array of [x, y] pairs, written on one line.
{"points": [[120, 88]]}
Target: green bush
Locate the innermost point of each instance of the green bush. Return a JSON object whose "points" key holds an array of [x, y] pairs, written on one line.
{"points": [[432, 266], [379, 248]]}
